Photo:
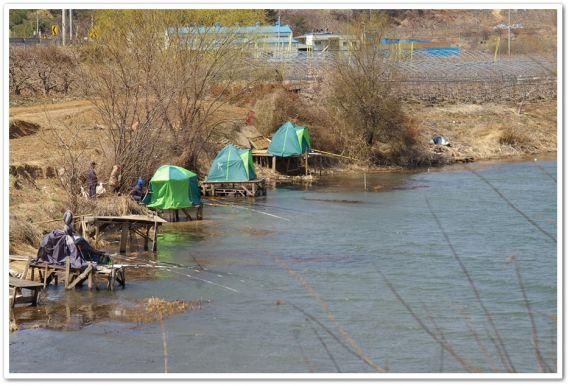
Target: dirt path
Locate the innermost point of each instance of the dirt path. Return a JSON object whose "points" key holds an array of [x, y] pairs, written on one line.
{"points": [[63, 117], [71, 106]]}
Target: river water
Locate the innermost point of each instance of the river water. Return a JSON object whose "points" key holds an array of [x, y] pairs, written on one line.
{"points": [[297, 281]]}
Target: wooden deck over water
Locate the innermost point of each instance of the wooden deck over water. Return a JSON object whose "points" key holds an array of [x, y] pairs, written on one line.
{"points": [[130, 226], [250, 188]]}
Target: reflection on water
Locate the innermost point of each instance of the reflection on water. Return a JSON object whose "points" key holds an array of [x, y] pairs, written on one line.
{"points": [[292, 281], [68, 315]]}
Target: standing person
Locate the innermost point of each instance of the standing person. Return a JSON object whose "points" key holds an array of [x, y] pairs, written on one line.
{"points": [[91, 178], [116, 178]]}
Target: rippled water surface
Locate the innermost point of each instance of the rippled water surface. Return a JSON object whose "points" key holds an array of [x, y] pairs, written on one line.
{"points": [[292, 282]]}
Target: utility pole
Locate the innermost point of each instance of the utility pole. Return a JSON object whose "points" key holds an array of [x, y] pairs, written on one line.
{"points": [[509, 30], [63, 25], [37, 24], [279, 34], [70, 26]]}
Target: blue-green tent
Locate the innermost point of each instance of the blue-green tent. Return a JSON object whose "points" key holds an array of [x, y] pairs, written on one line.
{"points": [[290, 140], [173, 187], [232, 164]]}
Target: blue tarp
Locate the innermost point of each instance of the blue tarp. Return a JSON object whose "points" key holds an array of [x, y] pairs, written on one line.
{"points": [[396, 41], [440, 52]]}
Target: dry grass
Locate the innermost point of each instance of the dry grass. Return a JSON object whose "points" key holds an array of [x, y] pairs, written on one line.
{"points": [[490, 130], [515, 138], [274, 109]]}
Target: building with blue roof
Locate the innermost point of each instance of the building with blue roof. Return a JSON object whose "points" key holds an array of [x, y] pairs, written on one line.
{"points": [[275, 40], [327, 41]]}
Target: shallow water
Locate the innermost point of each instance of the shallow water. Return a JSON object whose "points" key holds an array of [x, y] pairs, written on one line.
{"points": [[266, 269]]}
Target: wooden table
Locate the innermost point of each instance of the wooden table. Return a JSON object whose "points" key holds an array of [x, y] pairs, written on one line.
{"points": [[137, 224], [18, 284]]}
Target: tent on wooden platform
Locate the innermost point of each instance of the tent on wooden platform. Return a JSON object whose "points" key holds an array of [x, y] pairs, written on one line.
{"points": [[173, 187], [232, 164], [290, 140]]}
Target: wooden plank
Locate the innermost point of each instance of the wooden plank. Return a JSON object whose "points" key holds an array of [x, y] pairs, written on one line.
{"points": [[25, 274], [81, 277], [22, 283], [130, 218]]}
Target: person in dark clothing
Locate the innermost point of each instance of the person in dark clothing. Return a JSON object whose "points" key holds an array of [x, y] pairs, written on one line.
{"points": [[91, 179], [137, 192]]}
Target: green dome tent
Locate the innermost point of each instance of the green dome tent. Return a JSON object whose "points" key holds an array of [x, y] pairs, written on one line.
{"points": [[232, 165], [290, 140], [173, 187]]}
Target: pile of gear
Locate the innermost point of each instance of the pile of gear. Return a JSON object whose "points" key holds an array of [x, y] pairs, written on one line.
{"points": [[57, 245]]}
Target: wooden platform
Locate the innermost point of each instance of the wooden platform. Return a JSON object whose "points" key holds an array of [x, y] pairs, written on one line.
{"points": [[250, 188], [173, 215], [129, 226], [73, 277], [16, 287], [262, 157], [286, 164]]}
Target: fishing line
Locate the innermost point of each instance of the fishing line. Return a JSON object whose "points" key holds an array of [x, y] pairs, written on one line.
{"points": [[253, 210], [204, 280]]}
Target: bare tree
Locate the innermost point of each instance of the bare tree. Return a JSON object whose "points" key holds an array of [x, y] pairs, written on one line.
{"points": [[159, 84], [20, 70], [362, 87]]}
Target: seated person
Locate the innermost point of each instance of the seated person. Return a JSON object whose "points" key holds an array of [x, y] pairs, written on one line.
{"points": [[137, 192]]}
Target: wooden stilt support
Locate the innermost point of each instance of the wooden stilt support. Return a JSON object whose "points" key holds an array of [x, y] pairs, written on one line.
{"points": [[124, 235], [25, 275], [45, 276], [90, 280], [96, 235], [155, 237], [274, 164], [83, 228], [67, 272], [145, 247]]}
